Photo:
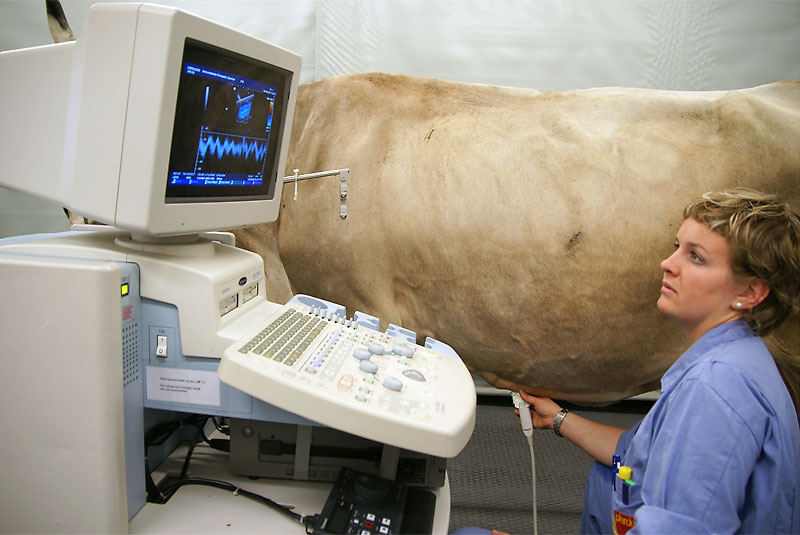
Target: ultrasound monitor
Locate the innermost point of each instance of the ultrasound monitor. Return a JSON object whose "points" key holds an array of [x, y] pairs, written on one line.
{"points": [[154, 120]]}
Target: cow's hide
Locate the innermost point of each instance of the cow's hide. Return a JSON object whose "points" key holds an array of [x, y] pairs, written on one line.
{"points": [[523, 228]]}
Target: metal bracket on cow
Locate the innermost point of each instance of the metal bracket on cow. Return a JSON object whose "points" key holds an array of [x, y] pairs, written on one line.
{"points": [[342, 185]]}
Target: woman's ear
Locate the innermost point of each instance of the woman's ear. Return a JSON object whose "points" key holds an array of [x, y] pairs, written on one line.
{"points": [[754, 293]]}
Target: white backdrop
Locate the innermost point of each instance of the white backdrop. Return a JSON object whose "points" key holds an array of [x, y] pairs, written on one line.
{"points": [[541, 44]]}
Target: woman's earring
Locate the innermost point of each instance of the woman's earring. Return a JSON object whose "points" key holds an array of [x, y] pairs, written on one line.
{"points": [[738, 305]]}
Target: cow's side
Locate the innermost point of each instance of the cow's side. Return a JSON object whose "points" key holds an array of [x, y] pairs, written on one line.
{"points": [[525, 229]]}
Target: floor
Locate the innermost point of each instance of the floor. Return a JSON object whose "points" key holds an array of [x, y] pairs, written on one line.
{"points": [[490, 480]]}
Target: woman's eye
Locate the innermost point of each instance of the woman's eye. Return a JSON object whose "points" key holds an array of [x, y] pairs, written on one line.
{"points": [[696, 258]]}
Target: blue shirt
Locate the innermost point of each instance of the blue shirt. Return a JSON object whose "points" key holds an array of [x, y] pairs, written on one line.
{"points": [[720, 449]]}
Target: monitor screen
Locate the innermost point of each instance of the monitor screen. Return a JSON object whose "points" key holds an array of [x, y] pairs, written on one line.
{"points": [[227, 127]]}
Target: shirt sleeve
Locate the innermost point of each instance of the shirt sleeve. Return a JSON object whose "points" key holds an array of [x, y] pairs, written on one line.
{"points": [[700, 458]]}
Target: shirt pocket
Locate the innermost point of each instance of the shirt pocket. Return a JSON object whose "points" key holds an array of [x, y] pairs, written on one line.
{"points": [[626, 499]]}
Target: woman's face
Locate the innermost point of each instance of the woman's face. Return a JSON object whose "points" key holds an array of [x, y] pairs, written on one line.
{"points": [[699, 289]]}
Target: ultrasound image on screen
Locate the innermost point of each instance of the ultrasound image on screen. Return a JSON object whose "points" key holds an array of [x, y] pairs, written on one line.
{"points": [[223, 143]]}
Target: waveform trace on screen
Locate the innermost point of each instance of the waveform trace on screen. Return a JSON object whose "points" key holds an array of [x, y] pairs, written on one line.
{"points": [[231, 147]]}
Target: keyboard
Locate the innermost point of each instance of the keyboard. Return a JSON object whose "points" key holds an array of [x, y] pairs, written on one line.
{"points": [[348, 376]]}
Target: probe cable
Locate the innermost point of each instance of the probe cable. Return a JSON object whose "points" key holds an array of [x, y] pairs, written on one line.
{"points": [[533, 480], [527, 429]]}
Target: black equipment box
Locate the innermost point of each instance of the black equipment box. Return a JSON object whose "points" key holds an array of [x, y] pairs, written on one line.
{"points": [[365, 504]]}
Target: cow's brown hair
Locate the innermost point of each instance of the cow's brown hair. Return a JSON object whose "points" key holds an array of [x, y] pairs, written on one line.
{"points": [[764, 234]]}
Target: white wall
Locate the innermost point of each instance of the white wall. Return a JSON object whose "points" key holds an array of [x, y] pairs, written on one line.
{"points": [[542, 44]]}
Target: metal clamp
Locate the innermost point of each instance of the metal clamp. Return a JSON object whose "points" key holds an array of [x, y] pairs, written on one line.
{"points": [[342, 185]]}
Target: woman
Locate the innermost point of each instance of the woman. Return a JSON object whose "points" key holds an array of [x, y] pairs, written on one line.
{"points": [[720, 449]]}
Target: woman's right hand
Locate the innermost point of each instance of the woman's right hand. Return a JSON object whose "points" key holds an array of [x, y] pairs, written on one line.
{"points": [[543, 410]]}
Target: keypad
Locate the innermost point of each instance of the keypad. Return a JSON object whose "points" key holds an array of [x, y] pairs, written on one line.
{"points": [[285, 339]]}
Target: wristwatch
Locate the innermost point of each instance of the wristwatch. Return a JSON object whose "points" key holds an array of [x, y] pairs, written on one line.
{"points": [[557, 422]]}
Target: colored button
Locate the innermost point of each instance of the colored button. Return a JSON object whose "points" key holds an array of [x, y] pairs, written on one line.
{"points": [[345, 383], [361, 354], [394, 384], [368, 366], [406, 351]]}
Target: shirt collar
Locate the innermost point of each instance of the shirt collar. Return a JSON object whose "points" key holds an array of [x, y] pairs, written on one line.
{"points": [[722, 334]]}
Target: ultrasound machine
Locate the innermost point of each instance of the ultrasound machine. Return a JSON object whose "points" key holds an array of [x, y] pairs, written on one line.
{"points": [[123, 343]]}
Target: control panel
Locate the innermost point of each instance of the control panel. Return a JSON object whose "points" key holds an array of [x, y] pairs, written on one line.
{"points": [[343, 374]]}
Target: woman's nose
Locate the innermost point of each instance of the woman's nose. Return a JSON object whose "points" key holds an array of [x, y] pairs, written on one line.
{"points": [[669, 264]]}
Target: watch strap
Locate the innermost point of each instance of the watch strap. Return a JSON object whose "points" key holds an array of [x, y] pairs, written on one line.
{"points": [[560, 415]]}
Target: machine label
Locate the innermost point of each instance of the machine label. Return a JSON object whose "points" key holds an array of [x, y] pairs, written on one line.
{"points": [[182, 386]]}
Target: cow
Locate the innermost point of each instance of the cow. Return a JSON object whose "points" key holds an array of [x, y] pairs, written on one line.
{"points": [[522, 228]]}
